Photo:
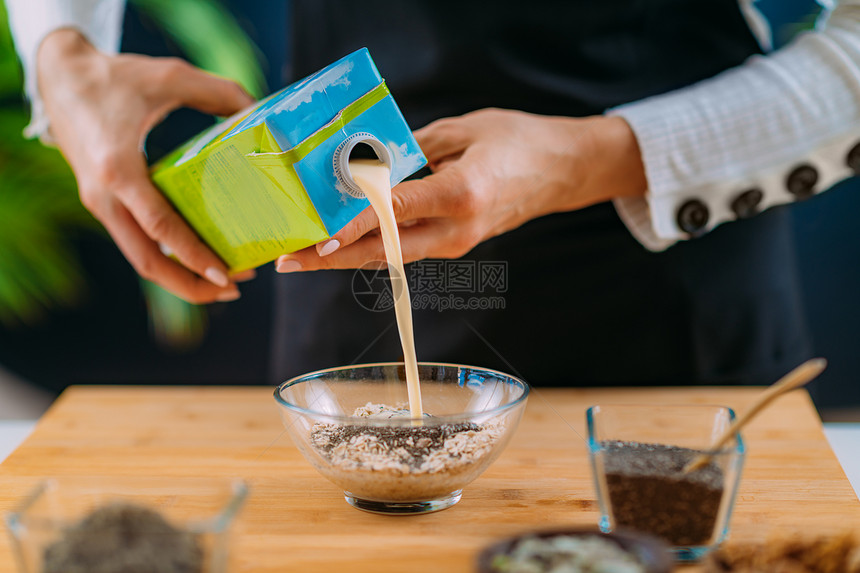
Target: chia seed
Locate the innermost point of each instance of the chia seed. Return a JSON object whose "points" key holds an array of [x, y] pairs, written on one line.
{"points": [[408, 445], [649, 492], [401, 463]]}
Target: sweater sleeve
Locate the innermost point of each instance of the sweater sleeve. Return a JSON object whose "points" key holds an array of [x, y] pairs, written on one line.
{"points": [[100, 21]]}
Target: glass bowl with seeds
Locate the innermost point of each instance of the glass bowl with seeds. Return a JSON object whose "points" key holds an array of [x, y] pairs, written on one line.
{"points": [[354, 426]]}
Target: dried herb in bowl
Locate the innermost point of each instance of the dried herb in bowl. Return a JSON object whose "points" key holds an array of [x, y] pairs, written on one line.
{"points": [[577, 551], [566, 554]]}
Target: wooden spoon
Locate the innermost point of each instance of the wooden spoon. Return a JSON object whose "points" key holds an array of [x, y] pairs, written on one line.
{"points": [[798, 377]]}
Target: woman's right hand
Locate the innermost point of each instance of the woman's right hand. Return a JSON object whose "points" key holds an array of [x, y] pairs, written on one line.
{"points": [[101, 109]]}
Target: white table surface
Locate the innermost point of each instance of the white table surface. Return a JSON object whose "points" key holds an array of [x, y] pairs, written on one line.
{"points": [[844, 439]]}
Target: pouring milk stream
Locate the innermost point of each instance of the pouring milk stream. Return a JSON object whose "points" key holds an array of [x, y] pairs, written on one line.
{"points": [[373, 177]]}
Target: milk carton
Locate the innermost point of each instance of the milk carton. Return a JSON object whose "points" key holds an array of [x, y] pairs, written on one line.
{"points": [[273, 179]]}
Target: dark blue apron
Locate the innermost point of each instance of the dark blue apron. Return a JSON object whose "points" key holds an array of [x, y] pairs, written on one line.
{"points": [[585, 304]]}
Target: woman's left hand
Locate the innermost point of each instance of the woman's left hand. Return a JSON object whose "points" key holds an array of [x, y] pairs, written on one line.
{"points": [[493, 170]]}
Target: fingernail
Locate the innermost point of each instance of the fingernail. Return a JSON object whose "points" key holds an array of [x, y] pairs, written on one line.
{"points": [[217, 277], [245, 276], [328, 247], [229, 295], [289, 266]]}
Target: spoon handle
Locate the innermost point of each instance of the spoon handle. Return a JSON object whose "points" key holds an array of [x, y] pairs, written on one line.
{"points": [[798, 377]]}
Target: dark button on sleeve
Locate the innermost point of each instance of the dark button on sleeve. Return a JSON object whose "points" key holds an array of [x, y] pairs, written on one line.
{"points": [[801, 181], [746, 204], [693, 217], [853, 159]]}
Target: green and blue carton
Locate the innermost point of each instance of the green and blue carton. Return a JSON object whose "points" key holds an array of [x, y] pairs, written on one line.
{"points": [[273, 179]]}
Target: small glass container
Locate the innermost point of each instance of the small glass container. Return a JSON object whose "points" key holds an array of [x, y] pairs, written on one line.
{"points": [[137, 523], [638, 453]]}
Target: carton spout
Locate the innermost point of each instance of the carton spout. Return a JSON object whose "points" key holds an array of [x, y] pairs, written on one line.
{"points": [[358, 146], [363, 150]]}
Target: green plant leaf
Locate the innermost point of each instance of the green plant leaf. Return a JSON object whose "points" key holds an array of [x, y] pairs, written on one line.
{"points": [[39, 203], [10, 72], [210, 37], [175, 323], [39, 206]]}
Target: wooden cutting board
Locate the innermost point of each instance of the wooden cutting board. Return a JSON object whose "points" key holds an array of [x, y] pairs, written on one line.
{"points": [[295, 520]]}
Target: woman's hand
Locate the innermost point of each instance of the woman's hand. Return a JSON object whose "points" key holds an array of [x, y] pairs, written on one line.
{"points": [[493, 170], [101, 109]]}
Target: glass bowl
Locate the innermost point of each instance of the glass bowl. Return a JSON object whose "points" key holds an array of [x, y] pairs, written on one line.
{"points": [[104, 525], [386, 462], [638, 453]]}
